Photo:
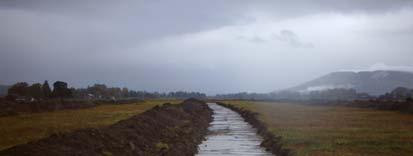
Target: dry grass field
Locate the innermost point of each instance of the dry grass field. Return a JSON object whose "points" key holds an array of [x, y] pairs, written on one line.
{"points": [[28, 127], [337, 131]]}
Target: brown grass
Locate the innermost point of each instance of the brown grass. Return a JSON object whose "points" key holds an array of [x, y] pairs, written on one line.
{"points": [[337, 131], [28, 127]]}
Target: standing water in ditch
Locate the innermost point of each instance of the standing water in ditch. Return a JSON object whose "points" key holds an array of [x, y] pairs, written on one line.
{"points": [[229, 134]]}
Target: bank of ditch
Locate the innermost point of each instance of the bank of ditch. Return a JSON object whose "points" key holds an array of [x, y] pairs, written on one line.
{"points": [[270, 142], [163, 130]]}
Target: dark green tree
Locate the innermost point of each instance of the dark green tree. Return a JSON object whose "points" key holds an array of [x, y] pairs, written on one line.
{"points": [[61, 90], [47, 92], [19, 89], [35, 91], [99, 90]]}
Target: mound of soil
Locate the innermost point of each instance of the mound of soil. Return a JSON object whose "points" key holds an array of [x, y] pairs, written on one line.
{"points": [[271, 142], [165, 130]]}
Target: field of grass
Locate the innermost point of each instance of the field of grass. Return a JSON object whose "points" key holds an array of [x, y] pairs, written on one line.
{"points": [[337, 131], [28, 127]]}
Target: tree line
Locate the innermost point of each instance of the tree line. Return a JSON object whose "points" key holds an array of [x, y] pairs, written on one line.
{"points": [[39, 91], [102, 91], [97, 91], [324, 95], [400, 93]]}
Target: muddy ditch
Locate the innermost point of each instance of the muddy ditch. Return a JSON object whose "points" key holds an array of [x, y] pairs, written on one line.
{"points": [[164, 130], [271, 142]]}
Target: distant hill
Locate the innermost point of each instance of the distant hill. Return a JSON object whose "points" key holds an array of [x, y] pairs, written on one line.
{"points": [[371, 82], [3, 90]]}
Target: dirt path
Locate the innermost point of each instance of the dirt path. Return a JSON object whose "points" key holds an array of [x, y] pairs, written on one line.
{"points": [[229, 134]]}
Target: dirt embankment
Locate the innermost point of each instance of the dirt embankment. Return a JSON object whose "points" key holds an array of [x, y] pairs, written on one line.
{"points": [[165, 130], [271, 142]]}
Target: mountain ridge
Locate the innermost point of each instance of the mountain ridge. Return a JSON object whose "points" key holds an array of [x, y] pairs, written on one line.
{"points": [[372, 82]]}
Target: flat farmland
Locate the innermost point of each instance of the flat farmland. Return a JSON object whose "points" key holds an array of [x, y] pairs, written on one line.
{"points": [[28, 127], [333, 130]]}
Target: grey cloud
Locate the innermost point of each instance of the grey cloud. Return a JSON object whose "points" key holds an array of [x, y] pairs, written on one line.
{"points": [[257, 39], [304, 7], [97, 7], [84, 41], [292, 39], [254, 39]]}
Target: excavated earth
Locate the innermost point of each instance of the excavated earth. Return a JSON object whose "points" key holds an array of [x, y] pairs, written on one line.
{"points": [[166, 130]]}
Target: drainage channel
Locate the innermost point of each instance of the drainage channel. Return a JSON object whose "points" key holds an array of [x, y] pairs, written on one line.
{"points": [[229, 135]]}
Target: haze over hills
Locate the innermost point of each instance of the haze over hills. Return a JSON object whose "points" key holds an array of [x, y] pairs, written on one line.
{"points": [[371, 82]]}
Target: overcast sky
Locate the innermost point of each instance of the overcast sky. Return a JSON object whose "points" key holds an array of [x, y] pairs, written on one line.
{"points": [[212, 46]]}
